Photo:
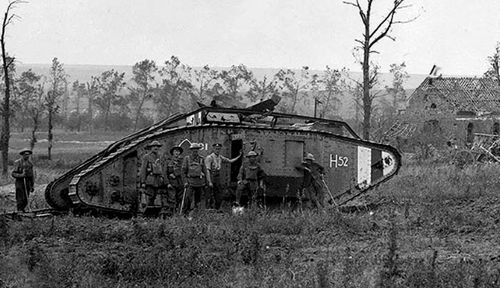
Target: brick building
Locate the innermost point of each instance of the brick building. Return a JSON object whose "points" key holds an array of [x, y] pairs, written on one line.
{"points": [[455, 108]]}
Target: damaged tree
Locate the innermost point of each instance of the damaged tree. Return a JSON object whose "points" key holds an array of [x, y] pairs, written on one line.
{"points": [[372, 36], [6, 63]]}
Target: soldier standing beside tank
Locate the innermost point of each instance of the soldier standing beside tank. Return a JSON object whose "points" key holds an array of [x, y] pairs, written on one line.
{"points": [[250, 179], [173, 178], [194, 173], [152, 175], [312, 183], [254, 146], [213, 163], [23, 173]]}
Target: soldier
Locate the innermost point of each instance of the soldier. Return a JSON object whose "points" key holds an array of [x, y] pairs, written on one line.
{"points": [[152, 175], [214, 165], [312, 183], [194, 173], [25, 179], [173, 169], [250, 178], [254, 146]]}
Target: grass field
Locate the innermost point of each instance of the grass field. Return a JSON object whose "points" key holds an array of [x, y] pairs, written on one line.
{"points": [[436, 226]]}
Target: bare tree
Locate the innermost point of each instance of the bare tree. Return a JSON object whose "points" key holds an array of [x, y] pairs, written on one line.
{"points": [[109, 84], [293, 87], [233, 80], [494, 65], [205, 79], [92, 91], [57, 89], [31, 106], [334, 85], [397, 91], [260, 90], [6, 63], [372, 36], [175, 85], [144, 79], [76, 116]]}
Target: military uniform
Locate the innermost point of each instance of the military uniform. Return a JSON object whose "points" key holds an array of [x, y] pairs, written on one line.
{"points": [[213, 163], [173, 179], [312, 183], [194, 174], [23, 173], [152, 176], [250, 179]]}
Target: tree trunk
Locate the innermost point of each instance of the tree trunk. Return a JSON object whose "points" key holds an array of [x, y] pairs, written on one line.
{"points": [[91, 115], [33, 132], [366, 84], [6, 106], [79, 121], [50, 136], [138, 111], [294, 100]]}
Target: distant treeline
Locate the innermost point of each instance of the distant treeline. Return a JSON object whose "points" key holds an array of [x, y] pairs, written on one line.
{"points": [[108, 101]]}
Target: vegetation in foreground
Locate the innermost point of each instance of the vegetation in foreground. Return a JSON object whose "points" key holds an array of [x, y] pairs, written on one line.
{"points": [[435, 227]]}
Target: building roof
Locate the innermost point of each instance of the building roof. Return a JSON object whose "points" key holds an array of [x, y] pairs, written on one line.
{"points": [[474, 94]]}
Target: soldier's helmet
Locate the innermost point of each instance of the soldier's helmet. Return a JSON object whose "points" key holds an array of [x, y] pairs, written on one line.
{"points": [[25, 151], [309, 156], [154, 144], [195, 146], [252, 154], [178, 148]]}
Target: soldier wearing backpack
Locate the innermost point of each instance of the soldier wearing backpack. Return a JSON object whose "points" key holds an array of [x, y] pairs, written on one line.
{"points": [[195, 179], [152, 180]]}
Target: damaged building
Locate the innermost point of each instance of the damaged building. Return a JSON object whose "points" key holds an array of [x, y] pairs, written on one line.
{"points": [[453, 109]]}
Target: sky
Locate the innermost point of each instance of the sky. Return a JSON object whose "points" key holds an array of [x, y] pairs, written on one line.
{"points": [[456, 35]]}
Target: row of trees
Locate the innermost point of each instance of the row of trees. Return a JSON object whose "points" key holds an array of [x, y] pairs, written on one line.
{"points": [[108, 101]]}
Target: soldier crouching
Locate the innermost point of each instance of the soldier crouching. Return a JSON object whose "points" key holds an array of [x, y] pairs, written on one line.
{"points": [[312, 181], [250, 179]]}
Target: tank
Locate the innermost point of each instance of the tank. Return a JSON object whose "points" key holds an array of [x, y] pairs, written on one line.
{"points": [[109, 181]]}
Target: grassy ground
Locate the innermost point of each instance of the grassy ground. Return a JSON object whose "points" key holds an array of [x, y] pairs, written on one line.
{"points": [[437, 226]]}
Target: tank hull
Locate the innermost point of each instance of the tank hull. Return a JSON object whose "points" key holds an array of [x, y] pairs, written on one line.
{"points": [[111, 181]]}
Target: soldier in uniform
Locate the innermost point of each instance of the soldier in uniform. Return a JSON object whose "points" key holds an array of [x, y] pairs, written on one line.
{"points": [[173, 177], [254, 146], [312, 183], [152, 175], [214, 165], [250, 179], [194, 174], [23, 173]]}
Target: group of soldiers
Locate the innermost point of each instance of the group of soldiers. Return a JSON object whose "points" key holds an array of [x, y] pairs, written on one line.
{"points": [[192, 182], [184, 184]]}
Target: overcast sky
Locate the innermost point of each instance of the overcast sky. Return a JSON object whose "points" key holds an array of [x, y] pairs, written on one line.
{"points": [[457, 35]]}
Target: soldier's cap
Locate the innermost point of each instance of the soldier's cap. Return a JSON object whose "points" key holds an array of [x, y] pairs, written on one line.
{"points": [[251, 154], [195, 146], [309, 156], [154, 143], [217, 145], [178, 148], [25, 150]]}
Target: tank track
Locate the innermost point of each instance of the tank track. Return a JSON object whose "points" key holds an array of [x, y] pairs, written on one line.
{"points": [[61, 201], [94, 167]]}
